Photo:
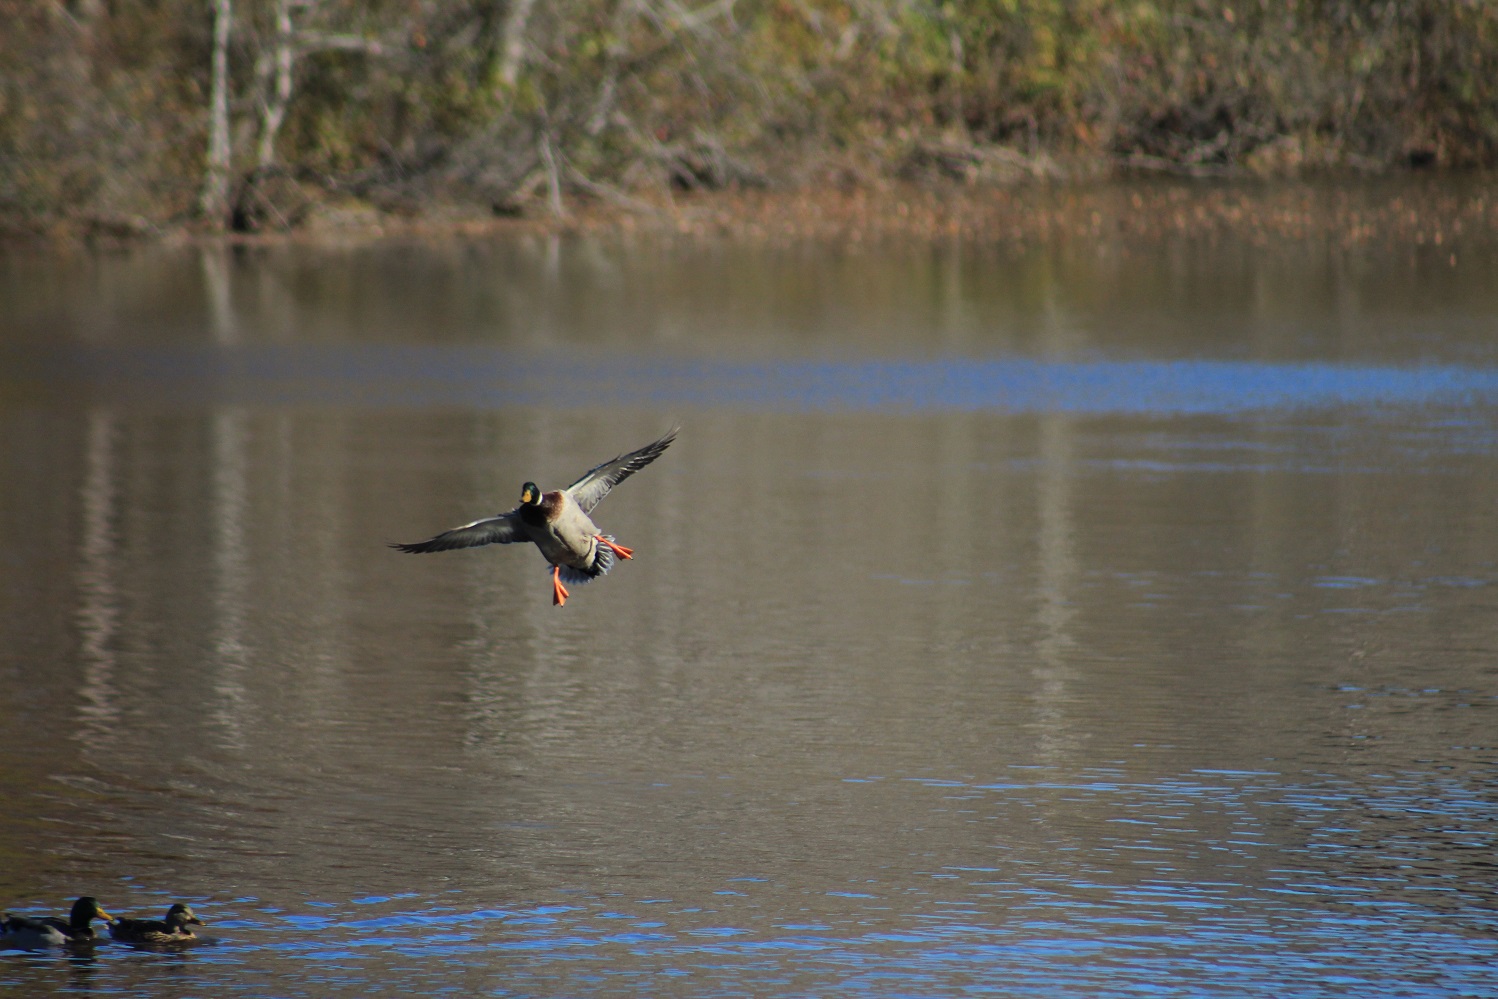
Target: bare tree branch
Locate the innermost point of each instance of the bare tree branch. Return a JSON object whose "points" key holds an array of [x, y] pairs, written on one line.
{"points": [[312, 42], [553, 180]]}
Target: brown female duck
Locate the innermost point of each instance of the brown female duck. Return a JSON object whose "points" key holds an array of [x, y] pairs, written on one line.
{"points": [[175, 928]]}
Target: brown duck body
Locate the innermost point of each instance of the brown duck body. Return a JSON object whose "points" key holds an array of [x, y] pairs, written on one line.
{"points": [[173, 929]]}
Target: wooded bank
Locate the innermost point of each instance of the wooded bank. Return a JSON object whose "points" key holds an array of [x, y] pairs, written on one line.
{"points": [[267, 114]]}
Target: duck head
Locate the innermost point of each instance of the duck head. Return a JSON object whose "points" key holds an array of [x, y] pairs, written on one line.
{"points": [[180, 915], [530, 494], [85, 910]]}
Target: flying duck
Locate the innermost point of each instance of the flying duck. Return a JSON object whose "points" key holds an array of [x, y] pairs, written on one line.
{"points": [[557, 523], [31, 932], [173, 929]]}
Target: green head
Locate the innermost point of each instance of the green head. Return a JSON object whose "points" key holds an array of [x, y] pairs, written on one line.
{"points": [[85, 909], [530, 495]]}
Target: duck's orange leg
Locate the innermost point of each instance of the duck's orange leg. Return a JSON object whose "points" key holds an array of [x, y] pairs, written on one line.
{"points": [[619, 550], [559, 592]]}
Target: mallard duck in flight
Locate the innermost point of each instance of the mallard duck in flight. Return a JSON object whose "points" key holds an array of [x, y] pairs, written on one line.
{"points": [[173, 929], [31, 932], [557, 522]]}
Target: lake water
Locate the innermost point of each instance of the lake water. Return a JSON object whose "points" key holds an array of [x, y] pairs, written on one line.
{"points": [[1099, 619]]}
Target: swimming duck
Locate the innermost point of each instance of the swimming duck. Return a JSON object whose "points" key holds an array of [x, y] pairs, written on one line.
{"points": [[557, 523], [172, 929], [31, 932]]}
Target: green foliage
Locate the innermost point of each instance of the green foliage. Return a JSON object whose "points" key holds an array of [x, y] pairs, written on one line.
{"points": [[406, 102]]}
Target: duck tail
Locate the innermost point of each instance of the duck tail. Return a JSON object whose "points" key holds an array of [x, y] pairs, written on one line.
{"points": [[603, 561]]}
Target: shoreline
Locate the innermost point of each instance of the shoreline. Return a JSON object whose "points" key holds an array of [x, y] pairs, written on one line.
{"points": [[1414, 209]]}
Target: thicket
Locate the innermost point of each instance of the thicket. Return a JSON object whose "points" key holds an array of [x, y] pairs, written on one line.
{"points": [[107, 107]]}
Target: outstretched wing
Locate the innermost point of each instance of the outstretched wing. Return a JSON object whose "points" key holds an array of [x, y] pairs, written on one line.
{"points": [[499, 530], [590, 490]]}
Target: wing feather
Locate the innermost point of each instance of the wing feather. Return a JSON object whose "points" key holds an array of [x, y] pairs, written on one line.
{"points": [[500, 530], [595, 484]]}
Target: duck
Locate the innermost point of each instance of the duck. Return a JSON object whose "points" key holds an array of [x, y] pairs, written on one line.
{"points": [[32, 932], [557, 522], [173, 929]]}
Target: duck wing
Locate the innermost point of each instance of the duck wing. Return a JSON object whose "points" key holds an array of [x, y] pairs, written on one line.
{"points": [[144, 929], [28, 932], [501, 530], [32, 924], [125, 927], [595, 484]]}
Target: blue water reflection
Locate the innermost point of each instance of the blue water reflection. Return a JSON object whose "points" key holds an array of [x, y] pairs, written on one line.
{"points": [[1249, 883], [407, 376]]}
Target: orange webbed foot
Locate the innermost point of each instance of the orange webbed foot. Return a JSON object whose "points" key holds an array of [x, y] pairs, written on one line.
{"points": [[619, 550], [559, 592]]}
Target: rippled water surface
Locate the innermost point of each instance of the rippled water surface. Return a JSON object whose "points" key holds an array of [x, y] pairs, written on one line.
{"points": [[1090, 621]]}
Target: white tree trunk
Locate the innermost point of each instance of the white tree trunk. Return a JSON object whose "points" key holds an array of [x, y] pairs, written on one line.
{"points": [[215, 198], [512, 48], [280, 100]]}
